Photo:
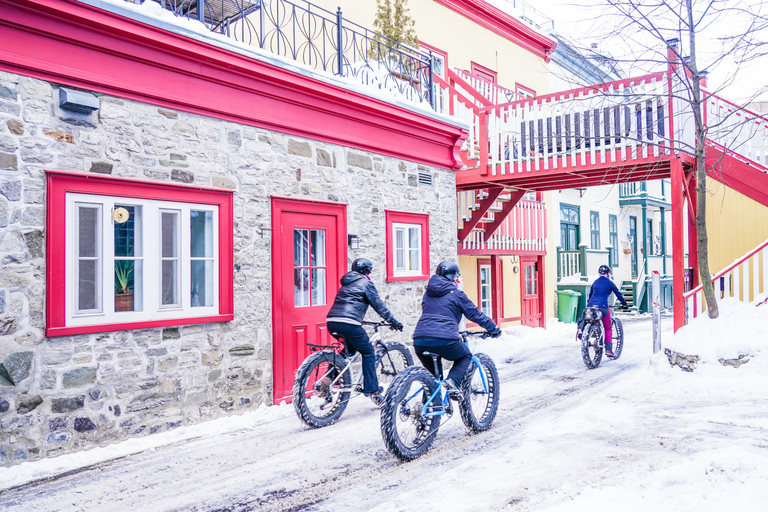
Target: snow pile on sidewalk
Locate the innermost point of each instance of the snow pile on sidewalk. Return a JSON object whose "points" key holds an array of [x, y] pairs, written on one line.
{"points": [[738, 331]]}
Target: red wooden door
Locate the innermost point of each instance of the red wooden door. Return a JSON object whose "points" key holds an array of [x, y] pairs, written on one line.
{"points": [[308, 258], [530, 291]]}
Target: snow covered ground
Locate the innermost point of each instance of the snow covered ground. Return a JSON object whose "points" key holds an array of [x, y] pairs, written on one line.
{"points": [[633, 434]]}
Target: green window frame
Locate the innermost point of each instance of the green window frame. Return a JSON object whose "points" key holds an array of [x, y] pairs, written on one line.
{"points": [[613, 237], [594, 229]]}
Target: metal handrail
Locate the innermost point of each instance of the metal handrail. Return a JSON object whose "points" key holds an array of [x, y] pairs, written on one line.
{"points": [[318, 38]]}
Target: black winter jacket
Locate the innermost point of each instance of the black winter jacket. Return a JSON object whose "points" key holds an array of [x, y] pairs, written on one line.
{"points": [[441, 311], [357, 292]]}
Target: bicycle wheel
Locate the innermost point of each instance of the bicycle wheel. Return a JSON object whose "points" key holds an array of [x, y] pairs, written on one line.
{"points": [[480, 394], [321, 390], [391, 360], [591, 351], [407, 432], [618, 336]]}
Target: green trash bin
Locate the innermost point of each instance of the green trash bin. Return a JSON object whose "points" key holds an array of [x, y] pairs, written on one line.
{"points": [[567, 302]]}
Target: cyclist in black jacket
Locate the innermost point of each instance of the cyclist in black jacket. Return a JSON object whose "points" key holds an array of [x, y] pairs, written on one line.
{"points": [[357, 292], [438, 328]]}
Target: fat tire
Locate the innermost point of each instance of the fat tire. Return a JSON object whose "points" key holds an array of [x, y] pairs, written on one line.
{"points": [[396, 411], [473, 394], [391, 361], [590, 339], [618, 336], [312, 370]]}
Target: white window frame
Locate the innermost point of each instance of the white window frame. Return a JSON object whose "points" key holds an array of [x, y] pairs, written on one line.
{"points": [[150, 291], [406, 270]]}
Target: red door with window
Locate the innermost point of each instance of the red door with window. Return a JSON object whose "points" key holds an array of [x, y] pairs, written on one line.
{"points": [[530, 291], [308, 258]]}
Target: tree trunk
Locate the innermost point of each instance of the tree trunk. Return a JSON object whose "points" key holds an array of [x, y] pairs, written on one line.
{"points": [[701, 175]]}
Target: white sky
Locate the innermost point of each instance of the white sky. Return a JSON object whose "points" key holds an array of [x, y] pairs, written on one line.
{"points": [[632, 435], [574, 19]]}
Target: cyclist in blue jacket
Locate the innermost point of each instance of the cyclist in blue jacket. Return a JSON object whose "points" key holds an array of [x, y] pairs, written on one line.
{"points": [[438, 328], [598, 296]]}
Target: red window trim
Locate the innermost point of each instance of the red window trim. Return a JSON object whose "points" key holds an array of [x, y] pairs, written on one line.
{"points": [[485, 73], [435, 49], [519, 87], [391, 217], [59, 184]]}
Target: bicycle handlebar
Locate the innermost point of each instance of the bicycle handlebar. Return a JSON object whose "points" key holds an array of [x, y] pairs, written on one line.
{"points": [[482, 334]]}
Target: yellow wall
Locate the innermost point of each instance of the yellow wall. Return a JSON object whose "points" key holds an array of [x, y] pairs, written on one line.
{"points": [[463, 40], [736, 224], [511, 282]]}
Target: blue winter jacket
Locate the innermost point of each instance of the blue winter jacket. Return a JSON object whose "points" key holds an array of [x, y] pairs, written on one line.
{"points": [[441, 310], [601, 290]]}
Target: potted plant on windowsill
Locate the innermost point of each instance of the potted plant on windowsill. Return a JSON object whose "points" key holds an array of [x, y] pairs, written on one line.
{"points": [[124, 285]]}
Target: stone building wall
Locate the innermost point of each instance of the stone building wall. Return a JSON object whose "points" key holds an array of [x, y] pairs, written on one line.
{"points": [[67, 393]]}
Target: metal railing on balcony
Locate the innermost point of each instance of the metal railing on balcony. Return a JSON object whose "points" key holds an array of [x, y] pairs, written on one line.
{"points": [[318, 38]]}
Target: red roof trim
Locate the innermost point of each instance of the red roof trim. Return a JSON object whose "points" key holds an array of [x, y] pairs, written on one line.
{"points": [[503, 24], [74, 44]]}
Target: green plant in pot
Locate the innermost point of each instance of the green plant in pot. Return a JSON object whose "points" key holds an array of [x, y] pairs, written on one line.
{"points": [[124, 285]]}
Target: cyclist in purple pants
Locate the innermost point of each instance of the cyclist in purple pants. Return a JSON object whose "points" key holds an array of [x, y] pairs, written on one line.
{"points": [[598, 297]]}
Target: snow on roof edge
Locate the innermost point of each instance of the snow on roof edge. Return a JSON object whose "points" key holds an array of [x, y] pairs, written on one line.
{"points": [[151, 13]]}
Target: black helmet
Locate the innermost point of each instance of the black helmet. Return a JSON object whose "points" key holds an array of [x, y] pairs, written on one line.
{"points": [[604, 270], [448, 269], [362, 266]]}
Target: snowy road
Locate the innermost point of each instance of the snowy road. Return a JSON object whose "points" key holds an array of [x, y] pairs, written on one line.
{"points": [[565, 438]]}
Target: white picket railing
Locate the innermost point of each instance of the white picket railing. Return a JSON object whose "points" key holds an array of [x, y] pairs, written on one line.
{"points": [[524, 229], [737, 129], [744, 279], [570, 263], [615, 122]]}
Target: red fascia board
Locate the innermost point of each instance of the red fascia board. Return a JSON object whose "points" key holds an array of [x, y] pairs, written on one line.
{"points": [[503, 24], [77, 45]]}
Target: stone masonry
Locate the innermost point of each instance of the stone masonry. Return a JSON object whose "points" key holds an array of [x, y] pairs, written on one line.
{"points": [[68, 393]]}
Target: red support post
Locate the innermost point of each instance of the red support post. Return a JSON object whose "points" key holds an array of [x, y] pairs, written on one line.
{"points": [[678, 220], [497, 289], [542, 293], [693, 247]]}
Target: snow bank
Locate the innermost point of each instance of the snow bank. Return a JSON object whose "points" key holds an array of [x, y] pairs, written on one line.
{"points": [[738, 331]]}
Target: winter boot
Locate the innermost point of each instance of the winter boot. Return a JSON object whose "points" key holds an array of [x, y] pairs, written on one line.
{"points": [[609, 350]]}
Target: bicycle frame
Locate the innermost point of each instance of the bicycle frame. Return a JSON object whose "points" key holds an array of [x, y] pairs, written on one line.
{"points": [[445, 400], [356, 377]]}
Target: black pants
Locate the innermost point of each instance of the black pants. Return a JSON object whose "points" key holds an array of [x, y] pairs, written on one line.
{"points": [[356, 340], [455, 351]]}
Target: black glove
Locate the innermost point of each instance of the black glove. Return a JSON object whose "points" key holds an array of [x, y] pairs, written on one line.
{"points": [[495, 333], [396, 325], [624, 307]]}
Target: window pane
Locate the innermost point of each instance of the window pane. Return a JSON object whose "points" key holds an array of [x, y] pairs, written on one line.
{"points": [[318, 248], [88, 251], [88, 225], [201, 232], [169, 278], [301, 287], [201, 285], [169, 265], [87, 285], [400, 249], [318, 286], [125, 280], [572, 239], [414, 238], [125, 230], [169, 234], [414, 259], [300, 247]]}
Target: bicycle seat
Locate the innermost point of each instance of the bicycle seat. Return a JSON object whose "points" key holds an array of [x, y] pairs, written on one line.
{"points": [[430, 354]]}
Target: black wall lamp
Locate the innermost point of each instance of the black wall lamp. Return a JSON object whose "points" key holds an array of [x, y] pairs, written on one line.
{"points": [[353, 241]]}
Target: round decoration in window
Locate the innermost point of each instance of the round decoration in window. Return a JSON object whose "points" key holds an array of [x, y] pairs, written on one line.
{"points": [[120, 215]]}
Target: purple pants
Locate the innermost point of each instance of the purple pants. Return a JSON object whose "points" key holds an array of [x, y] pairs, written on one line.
{"points": [[607, 325]]}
